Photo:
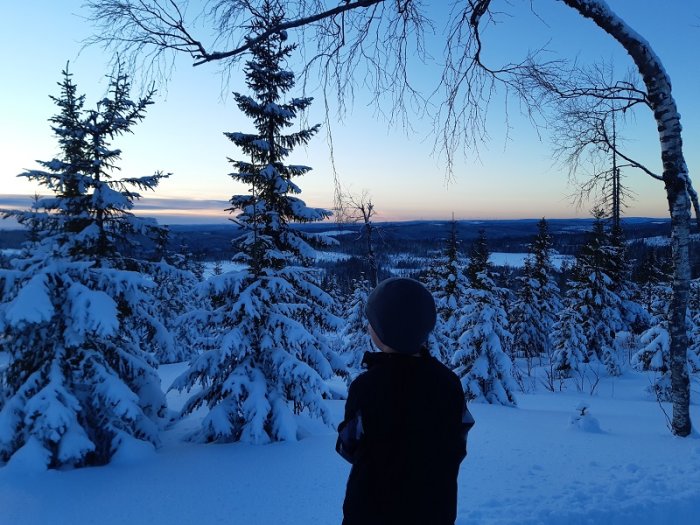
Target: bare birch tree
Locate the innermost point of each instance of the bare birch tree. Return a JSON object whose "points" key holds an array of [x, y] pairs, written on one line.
{"points": [[374, 39]]}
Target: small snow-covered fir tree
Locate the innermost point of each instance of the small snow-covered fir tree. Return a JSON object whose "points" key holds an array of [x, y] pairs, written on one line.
{"points": [[448, 283], [81, 380], [569, 342], [654, 355], [537, 300], [482, 362], [694, 336], [354, 337], [263, 361], [529, 336], [173, 300], [591, 293], [188, 261], [650, 275], [331, 284], [633, 316], [478, 265]]}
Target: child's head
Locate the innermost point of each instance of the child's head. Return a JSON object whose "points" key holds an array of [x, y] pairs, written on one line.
{"points": [[401, 312]]}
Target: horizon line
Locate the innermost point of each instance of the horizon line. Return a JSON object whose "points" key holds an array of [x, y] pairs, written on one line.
{"points": [[14, 226], [178, 210]]}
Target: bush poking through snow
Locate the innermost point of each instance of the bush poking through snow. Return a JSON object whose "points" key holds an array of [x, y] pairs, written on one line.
{"points": [[583, 421]]}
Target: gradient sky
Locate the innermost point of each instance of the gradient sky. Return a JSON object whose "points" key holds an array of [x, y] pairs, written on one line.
{"points": [[513, 177]]}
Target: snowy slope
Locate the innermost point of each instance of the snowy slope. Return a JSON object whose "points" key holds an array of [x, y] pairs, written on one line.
{"points": [[526, 465]]}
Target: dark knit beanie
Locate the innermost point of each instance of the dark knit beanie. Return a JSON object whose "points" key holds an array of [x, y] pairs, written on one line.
{"points": [[402, 313]]}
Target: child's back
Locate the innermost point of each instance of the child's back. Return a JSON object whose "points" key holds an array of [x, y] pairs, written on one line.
{"points": [[405, 436]]}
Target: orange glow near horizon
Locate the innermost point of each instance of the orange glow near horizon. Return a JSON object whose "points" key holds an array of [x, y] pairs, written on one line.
{"points": [[182, 210]]}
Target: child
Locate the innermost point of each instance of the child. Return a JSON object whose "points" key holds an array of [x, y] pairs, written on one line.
{"points": [[405, 420]]}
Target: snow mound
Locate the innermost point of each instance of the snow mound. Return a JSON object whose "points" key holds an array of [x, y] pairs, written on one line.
{"points": [[583, 420], [32, 457], [132, 451]]}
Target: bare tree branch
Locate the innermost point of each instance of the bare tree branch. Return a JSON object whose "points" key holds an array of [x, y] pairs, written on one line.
{"points": [[161, 24]]}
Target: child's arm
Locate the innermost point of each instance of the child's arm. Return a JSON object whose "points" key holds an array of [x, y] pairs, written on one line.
{"points": [[467, 423], [350, 431]]}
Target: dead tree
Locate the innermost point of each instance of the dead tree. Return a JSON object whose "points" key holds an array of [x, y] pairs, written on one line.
{"points": [[360, 210], [379, 34], [589, 108]]}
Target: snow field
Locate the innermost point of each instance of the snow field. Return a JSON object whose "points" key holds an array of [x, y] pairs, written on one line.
{"points": [[226, 266], [230, 266], [526, 465], [517, 260]]}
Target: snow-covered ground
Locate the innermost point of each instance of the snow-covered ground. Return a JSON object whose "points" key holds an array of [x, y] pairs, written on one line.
{"points": [[664, 240], [336, 233], [331, 256], [526, 465], [228, 266]]}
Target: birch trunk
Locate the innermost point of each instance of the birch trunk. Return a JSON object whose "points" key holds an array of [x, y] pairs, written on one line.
{"points": [[678, 189]]}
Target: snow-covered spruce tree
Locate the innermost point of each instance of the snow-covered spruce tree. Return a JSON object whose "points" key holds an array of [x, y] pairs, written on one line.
{"points": [[478, 265], [633, 315], [590, 292], [448, 283], [694, 337], [524, 318], [80, 382], [188, 261], [655, 353], [173, 299], [263, 361], [331, 284], [482, 362], [538, 299], [354, 339], [649, 276], [569, 342]]}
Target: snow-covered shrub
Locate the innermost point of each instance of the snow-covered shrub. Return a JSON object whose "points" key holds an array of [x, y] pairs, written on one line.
{"points": [[583, 421]]}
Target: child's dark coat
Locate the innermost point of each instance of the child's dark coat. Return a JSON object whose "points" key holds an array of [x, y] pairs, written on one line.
{"points": [[405, 437]]}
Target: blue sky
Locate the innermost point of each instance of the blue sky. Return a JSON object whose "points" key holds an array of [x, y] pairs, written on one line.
{"points": [[513, 177]]}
